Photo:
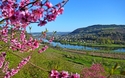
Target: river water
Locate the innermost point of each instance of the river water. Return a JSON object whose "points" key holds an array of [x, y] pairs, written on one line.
{"points": [[68, 46]]}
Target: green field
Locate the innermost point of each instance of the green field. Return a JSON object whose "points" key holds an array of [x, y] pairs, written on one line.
{"points": [[60, 60]]}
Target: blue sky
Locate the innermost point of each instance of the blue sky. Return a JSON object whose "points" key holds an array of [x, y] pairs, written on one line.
{"points": [[83, 13]]}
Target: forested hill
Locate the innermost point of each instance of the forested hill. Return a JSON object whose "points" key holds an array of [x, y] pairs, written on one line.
{"points": [[98, 33], [100, 28]]}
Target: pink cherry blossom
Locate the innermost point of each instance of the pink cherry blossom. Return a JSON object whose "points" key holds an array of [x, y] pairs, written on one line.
{"points": [[8, 74], [22, 35], [43, 49], [35, 44], [2, 58], [38, 13], [51, 39], [11, 73], [5, 68], [48, 4], [7, 10], [24, 2], [64, 74], [14, 19], [75, 75], [42, 23], [60, 11], [14, 71], [4, 31], [54, 74], [51, 17], [95, 71]]}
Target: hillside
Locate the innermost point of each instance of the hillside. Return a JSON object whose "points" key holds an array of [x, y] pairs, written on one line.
{"points": [[100, 34], [99, 28]]}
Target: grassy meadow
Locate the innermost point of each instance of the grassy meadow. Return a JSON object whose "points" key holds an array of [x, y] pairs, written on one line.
{"points": [[60, 60]]}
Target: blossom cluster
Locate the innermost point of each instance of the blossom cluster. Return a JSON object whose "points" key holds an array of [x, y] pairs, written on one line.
{"points": [[2, 59], [5, 65], [95, 71], [23, 44], [51, 39], [12, 72], [18, 15], [4, 34], [23, 13], [43, 49], [63, 74]]}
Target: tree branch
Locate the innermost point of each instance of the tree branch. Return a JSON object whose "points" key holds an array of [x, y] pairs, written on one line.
{"points": [[29, 4], [64, 2]]}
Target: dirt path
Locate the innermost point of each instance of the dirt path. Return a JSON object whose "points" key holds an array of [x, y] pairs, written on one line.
{"points": [[100, 54]]}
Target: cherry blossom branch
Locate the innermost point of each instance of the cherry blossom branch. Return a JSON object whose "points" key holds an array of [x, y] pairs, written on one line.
{"points": [[30, 3], [20, 15], [64, 3]]}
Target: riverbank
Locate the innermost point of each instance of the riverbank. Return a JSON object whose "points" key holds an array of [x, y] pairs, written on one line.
{"points": [[92, 44], [89, 48]]}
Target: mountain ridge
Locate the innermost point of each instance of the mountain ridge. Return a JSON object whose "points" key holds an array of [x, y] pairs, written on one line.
{"points": [[97, 33], [98, 26]]}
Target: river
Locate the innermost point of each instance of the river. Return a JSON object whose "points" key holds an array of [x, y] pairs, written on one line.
{"points": [[68, 46]]}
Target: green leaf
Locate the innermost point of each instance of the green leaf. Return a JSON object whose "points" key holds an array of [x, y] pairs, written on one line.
{"points": [[112, 71], [116, 66], [55, 32], [30, 27], [46, 30]]}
